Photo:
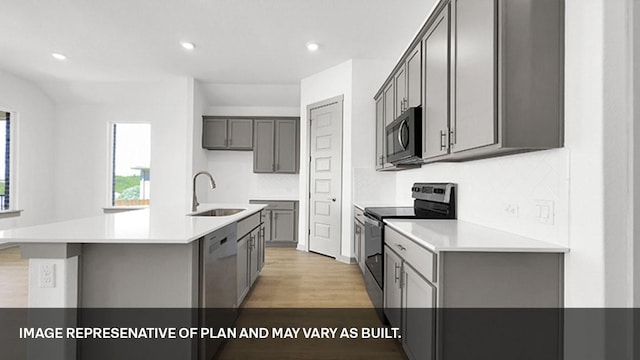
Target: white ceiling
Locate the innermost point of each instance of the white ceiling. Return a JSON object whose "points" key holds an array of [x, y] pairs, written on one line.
{"points": [[237, 41]]}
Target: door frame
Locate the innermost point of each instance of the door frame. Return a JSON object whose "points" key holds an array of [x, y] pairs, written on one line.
{"points": [[330, 101]]}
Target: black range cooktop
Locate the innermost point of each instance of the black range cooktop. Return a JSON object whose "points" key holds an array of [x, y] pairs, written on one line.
{"points": [[381, 213]]}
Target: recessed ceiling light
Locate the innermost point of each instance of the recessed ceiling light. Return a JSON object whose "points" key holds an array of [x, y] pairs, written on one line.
{"points": [[312, 46], [188, 45], [59, 56]]}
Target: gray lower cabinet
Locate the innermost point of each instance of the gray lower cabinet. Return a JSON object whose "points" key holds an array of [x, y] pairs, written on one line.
{"points": [[223, 133], [276, 147], [358, 237], [243, 268], [250, 253], [280, 221], [451, 304]]}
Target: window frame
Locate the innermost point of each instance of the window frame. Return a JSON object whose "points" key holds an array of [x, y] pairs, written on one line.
{"points": [[111, 206], [14, 186]]}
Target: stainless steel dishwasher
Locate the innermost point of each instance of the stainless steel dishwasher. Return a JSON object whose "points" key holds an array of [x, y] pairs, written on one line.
{"points": [[218, 271]]}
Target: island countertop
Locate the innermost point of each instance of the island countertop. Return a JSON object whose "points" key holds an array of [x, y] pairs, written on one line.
{"points": [[145, 226]]}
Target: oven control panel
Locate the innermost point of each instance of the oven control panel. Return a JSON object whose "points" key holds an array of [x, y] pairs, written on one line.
{"points": [[436, 192]]}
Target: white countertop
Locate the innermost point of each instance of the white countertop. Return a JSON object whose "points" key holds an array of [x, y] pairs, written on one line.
{"points": [[146, 226], [456, 235]]}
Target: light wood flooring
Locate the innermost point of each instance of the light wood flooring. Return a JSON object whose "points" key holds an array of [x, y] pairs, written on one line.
{"points": [[298, 289], [14, 278]]}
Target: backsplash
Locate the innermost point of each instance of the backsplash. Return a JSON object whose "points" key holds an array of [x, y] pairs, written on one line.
{"points": [[236, 182], [526, 194], [373, 188]]}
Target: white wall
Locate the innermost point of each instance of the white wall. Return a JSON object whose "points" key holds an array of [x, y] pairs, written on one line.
{"points": [[233, 170], [198, 155], [330, 83], [636, 152], [487, 187], [357, 80], [82, 142], [35, 143], [369, 186]]}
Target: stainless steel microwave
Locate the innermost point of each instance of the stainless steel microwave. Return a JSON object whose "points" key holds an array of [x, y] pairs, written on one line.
{"points": [[404, 138]]}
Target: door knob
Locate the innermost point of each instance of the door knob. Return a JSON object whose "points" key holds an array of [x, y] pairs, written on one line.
{"points": [[334, 199]]}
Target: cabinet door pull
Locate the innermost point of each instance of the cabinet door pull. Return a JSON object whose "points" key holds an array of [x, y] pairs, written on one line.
{"points": [[443, 137], [396, 277], [230, 140], [452, 138]]}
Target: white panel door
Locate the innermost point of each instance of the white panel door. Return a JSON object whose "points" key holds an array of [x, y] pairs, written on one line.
{"points": [[325, 177]]}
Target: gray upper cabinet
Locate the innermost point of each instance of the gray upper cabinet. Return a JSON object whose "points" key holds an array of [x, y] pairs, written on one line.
{"points": [[507, 93], [263, 154], [435, 120], [380, 136], [407, 83], [227, 134], [475, 122], [240, 134], [276, 147], [414, 71], [400, 88], [286, 154], [491, 79], [389, 113], [214, 134]]}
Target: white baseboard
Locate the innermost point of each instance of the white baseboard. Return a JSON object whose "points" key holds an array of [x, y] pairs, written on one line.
{"points": [[346, 259], [301, 247]]}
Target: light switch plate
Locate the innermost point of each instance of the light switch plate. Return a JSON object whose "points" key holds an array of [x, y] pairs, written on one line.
{"points": [[545, 213]]}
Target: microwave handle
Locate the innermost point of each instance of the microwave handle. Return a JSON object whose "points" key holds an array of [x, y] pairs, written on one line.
{"points": [[403, 124]]}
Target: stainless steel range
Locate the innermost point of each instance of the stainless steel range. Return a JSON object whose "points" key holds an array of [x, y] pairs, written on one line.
{"points": [[432, 201]]}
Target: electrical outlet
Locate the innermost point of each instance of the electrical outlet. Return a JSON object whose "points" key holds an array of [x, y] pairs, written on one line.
{"points": [[47, 275], [544, 211], [511, 210]]}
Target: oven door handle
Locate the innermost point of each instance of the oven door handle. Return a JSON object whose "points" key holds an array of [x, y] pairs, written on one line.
{"points": [[370, 220]]}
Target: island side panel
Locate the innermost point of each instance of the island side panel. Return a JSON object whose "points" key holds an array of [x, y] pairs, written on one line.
{"points": [[139, 275]]}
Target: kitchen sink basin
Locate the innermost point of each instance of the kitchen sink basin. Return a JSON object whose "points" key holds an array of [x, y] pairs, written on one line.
{"points": [[218, 212]]}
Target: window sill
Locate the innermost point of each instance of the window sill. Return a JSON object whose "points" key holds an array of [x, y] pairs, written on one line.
{"points": [[117, 209], [10, 213]]}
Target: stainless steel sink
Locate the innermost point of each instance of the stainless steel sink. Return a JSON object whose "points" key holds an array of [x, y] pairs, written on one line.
{"points": [[218, 212]]}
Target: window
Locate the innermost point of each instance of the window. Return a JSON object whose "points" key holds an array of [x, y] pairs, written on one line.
{"points": [[130, 164], [5, 161]]}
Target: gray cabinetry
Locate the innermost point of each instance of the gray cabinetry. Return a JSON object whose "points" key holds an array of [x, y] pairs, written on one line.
{"points": [[243, 268], [263, 154], [418, 318], [400, 88], [414, 78], [280, 221], [392, 287], [475, 73], [435, 121], [358, 237], [407, 82], [220, 133], [380, 133], [507, 77], [419, 283], [250, 253], [276, 147], [491, 82]]}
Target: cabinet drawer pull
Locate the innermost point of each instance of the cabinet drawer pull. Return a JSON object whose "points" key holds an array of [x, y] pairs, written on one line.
{"points": [[402, 248], [396, 277]]}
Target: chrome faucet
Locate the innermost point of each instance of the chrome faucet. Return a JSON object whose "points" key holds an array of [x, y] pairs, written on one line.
{"points": [[194, 202]]}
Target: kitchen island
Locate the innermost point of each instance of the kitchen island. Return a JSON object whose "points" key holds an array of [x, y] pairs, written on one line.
{"points": [[129, 268], [152, 252]]}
